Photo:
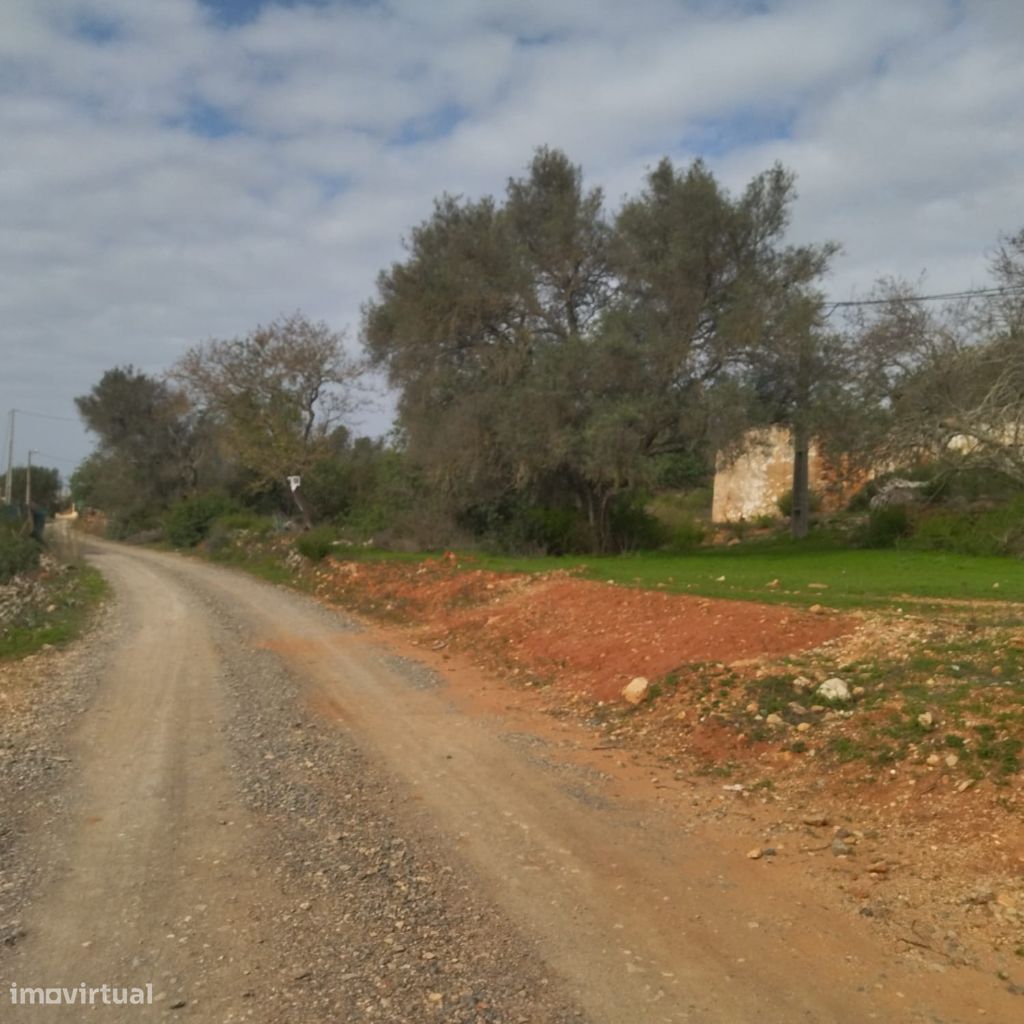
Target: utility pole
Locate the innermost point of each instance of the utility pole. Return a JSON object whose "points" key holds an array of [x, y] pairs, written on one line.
{"points": [[8, 496], [28, 482]]}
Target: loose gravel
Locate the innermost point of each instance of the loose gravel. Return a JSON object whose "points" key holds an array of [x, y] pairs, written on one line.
{"points": [[388, 926]]}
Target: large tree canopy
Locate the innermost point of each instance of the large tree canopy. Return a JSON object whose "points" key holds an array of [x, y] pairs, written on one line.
{"points": [[274, 396], [946, 380], [150, 445], [545, 350]]}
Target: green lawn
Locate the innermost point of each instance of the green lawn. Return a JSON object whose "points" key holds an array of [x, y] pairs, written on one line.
{"points": [[853, 577]]}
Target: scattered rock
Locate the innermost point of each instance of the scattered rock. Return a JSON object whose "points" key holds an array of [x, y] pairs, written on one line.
{"points": [[980, 897], [926, 720], [1006, 900], [840, 848], [756, 854], [815, 819], [834, 689], [803, 727], [897, 492], [952, 760], [775, 720], [636, 690]]}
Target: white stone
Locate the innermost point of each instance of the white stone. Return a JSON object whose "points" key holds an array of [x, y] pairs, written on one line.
{"points": [[834, 689]]}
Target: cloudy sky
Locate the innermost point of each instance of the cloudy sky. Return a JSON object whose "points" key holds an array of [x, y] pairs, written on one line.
{"points": [[173, 170]]}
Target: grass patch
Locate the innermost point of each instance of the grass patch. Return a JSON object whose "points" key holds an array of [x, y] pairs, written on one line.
{"points": [[853, 578], [269, 567], [75, 597]]}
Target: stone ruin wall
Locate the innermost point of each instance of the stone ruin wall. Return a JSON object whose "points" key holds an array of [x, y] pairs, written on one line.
{"points": [[752, 484]]}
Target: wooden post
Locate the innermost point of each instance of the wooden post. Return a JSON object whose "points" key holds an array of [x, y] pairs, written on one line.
{"points": [[295, 486]]}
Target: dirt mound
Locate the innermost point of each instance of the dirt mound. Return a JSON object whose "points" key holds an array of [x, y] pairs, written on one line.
{"points": [[594, 638], [589, 637]]}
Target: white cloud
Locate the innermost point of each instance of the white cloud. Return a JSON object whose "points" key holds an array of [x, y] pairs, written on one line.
{"points": [[130, 233]]}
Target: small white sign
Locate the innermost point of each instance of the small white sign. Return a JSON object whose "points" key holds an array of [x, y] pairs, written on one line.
{"points": [[294, 482]]}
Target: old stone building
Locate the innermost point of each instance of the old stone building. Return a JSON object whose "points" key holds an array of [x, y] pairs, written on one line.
{"points": [[751, 484]]}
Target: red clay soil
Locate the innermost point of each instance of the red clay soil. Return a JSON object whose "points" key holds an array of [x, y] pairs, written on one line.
{"points": [[598, 637], [587, 636]]}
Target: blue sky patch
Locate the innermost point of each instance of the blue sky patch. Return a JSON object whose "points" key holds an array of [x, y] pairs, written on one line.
{"points": [[94, 28], [715, 137], [202, 118], [241, 12], [434, 125]]}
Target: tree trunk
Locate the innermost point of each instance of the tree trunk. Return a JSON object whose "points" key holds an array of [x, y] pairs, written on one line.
{"points": [[800, 517]]}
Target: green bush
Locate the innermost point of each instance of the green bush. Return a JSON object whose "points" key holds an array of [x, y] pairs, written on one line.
{"points": [[188, 522], [557, 531], [509, 526], [634, 528], [785, 503], [686, 535], [316, 544], [250, 522], [887, 526], [329, 489], [993, 531], [18, 552]]}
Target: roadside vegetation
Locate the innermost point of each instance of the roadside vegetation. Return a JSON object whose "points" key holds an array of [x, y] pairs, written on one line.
{"points": [[44, 601]]}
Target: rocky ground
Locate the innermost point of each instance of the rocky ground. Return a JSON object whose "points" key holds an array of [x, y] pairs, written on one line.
{"points": [[41, 698], [27, 594]]}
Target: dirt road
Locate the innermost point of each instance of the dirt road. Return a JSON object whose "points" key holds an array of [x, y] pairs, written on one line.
{"points": [[266, 815]]}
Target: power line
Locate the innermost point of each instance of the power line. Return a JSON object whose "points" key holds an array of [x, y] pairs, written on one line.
{"points": [[57, 458], [968, 293], [47, 416]]}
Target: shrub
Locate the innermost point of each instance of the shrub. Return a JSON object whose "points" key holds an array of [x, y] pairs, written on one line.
{"points": [[509, 526], [188, 522], [562, 530], [887, 526], [995, 531], [316, 544], [250, 522], [785, 503], [633, 528], [18, 552], [687, 535]]}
